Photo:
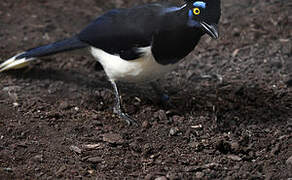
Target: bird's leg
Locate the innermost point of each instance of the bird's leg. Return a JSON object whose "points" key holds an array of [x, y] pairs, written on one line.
{"points": [[118, 107], [163, 97]]}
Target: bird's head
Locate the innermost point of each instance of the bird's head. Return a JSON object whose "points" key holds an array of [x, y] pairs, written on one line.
{"points": [[204, 14]]}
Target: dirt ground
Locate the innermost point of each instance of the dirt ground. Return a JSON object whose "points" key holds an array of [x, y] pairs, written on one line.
{"points": [[56, 118]]}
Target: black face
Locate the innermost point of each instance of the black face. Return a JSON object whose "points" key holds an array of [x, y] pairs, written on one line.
{"points": [[204, 14]]}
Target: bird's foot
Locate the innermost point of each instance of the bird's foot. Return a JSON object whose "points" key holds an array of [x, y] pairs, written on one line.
{"points": [[164, 98], [129, 120]]}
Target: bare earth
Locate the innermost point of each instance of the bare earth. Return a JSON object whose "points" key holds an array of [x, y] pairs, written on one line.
{"points": [[56, 116]]}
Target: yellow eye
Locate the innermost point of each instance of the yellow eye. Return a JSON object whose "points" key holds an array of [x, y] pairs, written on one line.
{"points": [[196, 11]]}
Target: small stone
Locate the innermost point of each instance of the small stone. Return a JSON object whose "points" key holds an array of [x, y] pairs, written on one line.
{"points": [[145, 125], [289, 161], [194, 144], [223, 146], [234, 157], [173, 131], [38, 158], [161, 178], [64, 105], [161, 115], [235, 146], [197, 127], [193, 168], [212, 165], [172, 176], [11, 88], [61, 169], [15, 104], [93, 146], [75, 149], [94, 160], [200, 175], [149, 176], [177, 118], [276, 149], [113, 138]]}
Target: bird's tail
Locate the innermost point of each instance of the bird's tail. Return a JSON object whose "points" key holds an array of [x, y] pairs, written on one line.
{"points": [[23, 59]]}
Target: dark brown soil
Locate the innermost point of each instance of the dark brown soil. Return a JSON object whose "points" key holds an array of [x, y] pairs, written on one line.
{"points": [[56, 116]]}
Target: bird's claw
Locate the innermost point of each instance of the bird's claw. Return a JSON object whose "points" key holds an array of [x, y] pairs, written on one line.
{"points": [[129, 120]]}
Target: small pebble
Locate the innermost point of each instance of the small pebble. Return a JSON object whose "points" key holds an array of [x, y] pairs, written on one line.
{"points": [[235, 146], [289, 161], [234, 157], [38, 158], [94, 159], [93, 146], [149, 176], [113, 138], [145, 124], [197, 126], [161, 178], [200, 175], [61, 169], [15, 104], [173, 131], [161, 115], [75, 149], [64, 105]]}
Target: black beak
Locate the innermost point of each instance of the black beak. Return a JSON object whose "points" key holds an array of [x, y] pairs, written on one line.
{"points": [[212, 30]]}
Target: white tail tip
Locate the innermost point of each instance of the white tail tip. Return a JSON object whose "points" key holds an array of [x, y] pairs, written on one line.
{"points": [[14, 63]]}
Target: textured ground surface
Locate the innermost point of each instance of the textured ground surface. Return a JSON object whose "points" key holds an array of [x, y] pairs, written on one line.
{"points": [[56, 116]]}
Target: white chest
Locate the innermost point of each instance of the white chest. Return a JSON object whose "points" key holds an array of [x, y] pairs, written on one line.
{"points": [[139, 70]]}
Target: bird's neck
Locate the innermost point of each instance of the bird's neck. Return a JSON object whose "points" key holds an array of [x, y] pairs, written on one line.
{"points": [[175, 39]]}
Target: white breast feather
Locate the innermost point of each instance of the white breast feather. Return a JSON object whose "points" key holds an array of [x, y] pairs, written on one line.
{"points": [[139, 70]]}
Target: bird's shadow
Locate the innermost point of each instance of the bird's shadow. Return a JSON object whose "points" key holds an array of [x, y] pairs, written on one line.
{"points": [[256, 104]]}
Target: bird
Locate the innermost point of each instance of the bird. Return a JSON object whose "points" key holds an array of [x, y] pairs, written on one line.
{"points": [[137, 44]]}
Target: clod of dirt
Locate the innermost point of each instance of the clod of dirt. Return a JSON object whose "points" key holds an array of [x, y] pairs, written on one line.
{"points": [[178, 119], [149, 176], [75, 149], [61, 169], [145, 124], [234, 157], [64, 105], [223, 146], [161, 115], [199, 175], [235, 147], [161, 178], [93, 146], [94, 160], [276, 149], [289, 161], [113, 138], [173, 131], [38, 158]]}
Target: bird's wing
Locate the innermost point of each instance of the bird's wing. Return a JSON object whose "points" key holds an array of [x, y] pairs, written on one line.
{"points": [[122, 31]]}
